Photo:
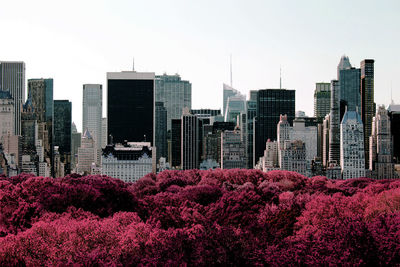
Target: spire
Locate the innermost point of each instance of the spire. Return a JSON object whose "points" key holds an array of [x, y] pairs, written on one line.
{"points": [[133, 64], [231, 69]]}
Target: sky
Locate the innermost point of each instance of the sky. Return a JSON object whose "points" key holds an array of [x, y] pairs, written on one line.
{"points": [[78, 42]]}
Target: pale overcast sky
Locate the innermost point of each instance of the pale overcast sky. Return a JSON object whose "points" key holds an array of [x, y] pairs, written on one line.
{"points": [[77, 42]]}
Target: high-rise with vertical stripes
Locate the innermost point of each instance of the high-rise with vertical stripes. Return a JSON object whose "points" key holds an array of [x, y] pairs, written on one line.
{"points": [[12, 80]]}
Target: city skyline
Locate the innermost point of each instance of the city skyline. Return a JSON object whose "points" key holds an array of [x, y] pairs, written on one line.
{"points": [[305, 39]]}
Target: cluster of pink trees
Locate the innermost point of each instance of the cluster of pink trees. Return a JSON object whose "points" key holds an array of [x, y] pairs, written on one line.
{"points": [[230, 217]]}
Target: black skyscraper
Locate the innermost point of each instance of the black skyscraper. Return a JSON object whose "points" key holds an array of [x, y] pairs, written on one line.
{"points": [[176, 139], [271, 103], [130, 106], [62, 131]]}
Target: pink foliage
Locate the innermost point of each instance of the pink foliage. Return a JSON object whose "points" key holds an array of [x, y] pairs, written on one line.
{"points": [[202, 218]]}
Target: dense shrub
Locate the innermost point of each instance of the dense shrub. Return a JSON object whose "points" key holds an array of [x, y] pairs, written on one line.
{"points": [[202, 218]]}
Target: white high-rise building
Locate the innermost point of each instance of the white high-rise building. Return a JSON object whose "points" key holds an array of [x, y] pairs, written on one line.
{"points": [[12, 80], [86, 153], [92, 114], [294, 157], [283, 134], [352, 156], [309, 135], [6, 114], [381, 146]]}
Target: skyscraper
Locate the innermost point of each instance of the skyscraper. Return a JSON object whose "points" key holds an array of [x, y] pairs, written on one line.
{"points": [[381, 146], [104, 136], [234, 107], [12, 80], [322, 100], [233, 150], [175, 93], [349, 82], [352, 154], [130, 106], [7, 117], [190, 133], [176, 143], [86, 154], [228, 91], [271, 103], [334, 124], [75, 145], [161, 131], [92, 110], [40, 94], [62, 131], [367, 99], [251, 108]]}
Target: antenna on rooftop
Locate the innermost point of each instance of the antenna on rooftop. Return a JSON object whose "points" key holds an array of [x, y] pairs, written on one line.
{"points": [[391, 93], [133, 64]]}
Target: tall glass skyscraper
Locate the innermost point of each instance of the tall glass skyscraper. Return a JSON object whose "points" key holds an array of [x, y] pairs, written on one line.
{"points": [[92, 111], [349, 82], [130, 106], [175, 93], [62, 131], [367, 100], [271, 103], [322, 100], [12, 80], [334, 124]]}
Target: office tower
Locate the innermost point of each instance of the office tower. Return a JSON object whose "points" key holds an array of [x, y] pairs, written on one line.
{"points": [[7, 118], [349, 83], [92, 110], [294, 157], [235, 105], [161, 131], [40, 94], [12, 80], [62, 132], [251, 107], [190, 134], [12, 150], [228, 91], [270, 161], [233, 150], [394, 114], [176, 143], [381, 146], [367, 99], [283, 134], [325, 140], [103, 132], [308, 135], [175, 93], [29, 129], [130, 106], [271, 103], [75, 144], [322, 100], [86, 154], [128, 161], [352, 159], [334, 124]]}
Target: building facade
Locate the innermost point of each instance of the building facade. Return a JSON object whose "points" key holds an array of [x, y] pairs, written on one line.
{"points": [[322, 100], [130, 106], [161, 131], [12, 80], [334, 124], [381, 146], [190, 134], [294, 157], [367, 100], [271, 103], [352, 155], [175, 93], [62, 132], [86, 154], [233, 150], [7, 118], [92, 111], [128, 162]]}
